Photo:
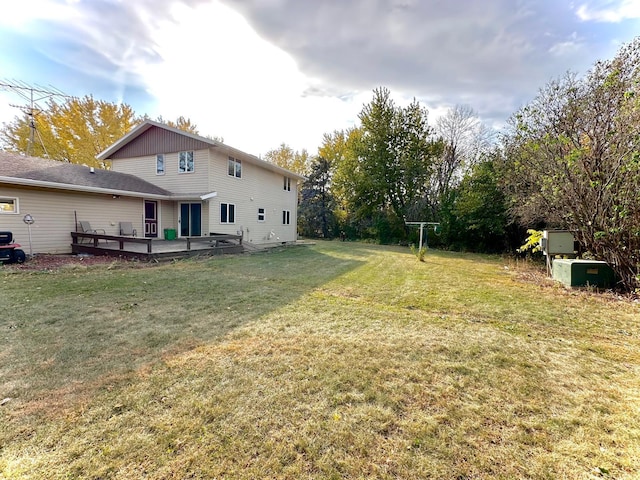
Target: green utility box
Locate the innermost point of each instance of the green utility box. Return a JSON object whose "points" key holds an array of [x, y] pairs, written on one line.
{"points": [[169, 233], [583, 273]]}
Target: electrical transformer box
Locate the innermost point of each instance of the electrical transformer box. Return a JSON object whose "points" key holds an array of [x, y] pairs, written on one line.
{"points": [[583, 273], [557, 242]]}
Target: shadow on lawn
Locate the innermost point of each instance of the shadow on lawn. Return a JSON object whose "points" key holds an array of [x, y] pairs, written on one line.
{"points": [[73, 332]]}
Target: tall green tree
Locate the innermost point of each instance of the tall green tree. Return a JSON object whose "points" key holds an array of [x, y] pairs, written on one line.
{"points": [[346, 176], [393, 155], [316, 212], [573, 160], [74, 131], [476, 219]]}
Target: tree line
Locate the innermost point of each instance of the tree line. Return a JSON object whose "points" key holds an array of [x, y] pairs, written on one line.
{"points": [[569, 159]]}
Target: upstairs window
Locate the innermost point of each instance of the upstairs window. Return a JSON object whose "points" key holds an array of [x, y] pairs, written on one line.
{"points": [[286, 217], [185, 162], [234, 168], [287, 184], [8, 205], [261, 215], [160, 164], [227, 213]]}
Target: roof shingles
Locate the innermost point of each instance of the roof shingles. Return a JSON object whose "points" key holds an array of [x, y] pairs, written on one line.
{"points": [[39, 169]]}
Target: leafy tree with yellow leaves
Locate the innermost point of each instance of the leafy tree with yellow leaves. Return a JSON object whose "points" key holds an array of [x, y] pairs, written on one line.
{"points": [[74, 131]]}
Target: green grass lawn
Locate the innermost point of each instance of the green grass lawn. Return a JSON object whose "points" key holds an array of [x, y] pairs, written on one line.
{"points": [[335, 360]]}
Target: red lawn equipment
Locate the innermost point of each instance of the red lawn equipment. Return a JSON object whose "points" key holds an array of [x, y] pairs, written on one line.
{"points": [[9, 251]]}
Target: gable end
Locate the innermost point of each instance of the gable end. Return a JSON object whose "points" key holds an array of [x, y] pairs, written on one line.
{"points": [[158, 140]]}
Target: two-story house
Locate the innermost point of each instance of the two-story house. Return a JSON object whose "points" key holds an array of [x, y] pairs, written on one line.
{"points": [[215, 188], [162, 179]]}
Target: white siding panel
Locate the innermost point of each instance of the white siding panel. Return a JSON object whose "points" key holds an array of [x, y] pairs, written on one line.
{"points": [[168, 217], [258, 188], [55, 215], [172, 180]]}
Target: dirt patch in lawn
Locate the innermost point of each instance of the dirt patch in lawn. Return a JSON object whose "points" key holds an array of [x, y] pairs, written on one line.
{"points": [[43, 262]]}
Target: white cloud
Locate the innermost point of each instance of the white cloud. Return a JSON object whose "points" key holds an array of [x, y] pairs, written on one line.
{"points": [[611, 12], [18, 15], [569, 47], [218, 72]]}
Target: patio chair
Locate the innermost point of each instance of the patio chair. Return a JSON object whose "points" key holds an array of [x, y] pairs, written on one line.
{"points": [[85, 227], [127, 230]]}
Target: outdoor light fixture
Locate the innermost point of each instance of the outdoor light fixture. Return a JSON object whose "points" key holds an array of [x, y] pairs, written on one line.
{"points": [[29, 220]]}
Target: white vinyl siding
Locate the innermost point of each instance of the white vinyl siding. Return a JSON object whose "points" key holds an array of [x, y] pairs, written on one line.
{"points": [[172, 180], [55, 213], [260, 189]]}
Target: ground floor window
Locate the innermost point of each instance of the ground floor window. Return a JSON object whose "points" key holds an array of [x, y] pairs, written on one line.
{"points": [[8, 205], [227, 213], [261, 215], [286, 217]]}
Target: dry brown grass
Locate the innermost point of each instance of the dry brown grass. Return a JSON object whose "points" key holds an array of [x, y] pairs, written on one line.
{"points": [[335, 361]]}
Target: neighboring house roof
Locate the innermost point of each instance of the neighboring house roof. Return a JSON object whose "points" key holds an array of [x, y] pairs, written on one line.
{"points": [[190, 141], [32, 171]]}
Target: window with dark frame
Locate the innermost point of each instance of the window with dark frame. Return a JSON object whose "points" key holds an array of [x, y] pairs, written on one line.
{"points": [[185, 162], [227, 213], [234, 168]]}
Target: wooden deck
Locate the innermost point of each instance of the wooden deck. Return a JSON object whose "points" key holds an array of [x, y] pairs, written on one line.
{"points": [[153, 248]]}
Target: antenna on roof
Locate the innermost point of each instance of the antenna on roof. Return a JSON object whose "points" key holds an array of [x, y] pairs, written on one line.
{"points": [[33, 95]]}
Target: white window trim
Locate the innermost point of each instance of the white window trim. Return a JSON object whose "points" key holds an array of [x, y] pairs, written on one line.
{"points": [[264, 215], [16, 204], [287, 184], [235, 162], [234, 213], [164, 165], [286, 217], [186, 164]]}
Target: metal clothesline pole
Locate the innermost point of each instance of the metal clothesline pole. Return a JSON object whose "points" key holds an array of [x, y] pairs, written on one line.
{"points": [[422, 225]]}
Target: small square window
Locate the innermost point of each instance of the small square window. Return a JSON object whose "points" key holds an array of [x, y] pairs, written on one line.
{"points": [[261, 215], [8, 205]]}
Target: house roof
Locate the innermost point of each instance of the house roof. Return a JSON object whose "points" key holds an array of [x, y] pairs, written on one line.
{"points": [[145, 126], [33, 171]]}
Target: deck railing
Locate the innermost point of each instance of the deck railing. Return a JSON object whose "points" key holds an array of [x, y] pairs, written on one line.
{"points": [[215, 239], [96, 237]]}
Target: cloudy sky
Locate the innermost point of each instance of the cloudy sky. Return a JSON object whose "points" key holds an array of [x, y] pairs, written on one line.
{"points": [[262, 72]]}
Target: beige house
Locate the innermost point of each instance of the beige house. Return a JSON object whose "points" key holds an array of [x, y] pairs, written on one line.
{"points": [[163, 180], [215, 188]]}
